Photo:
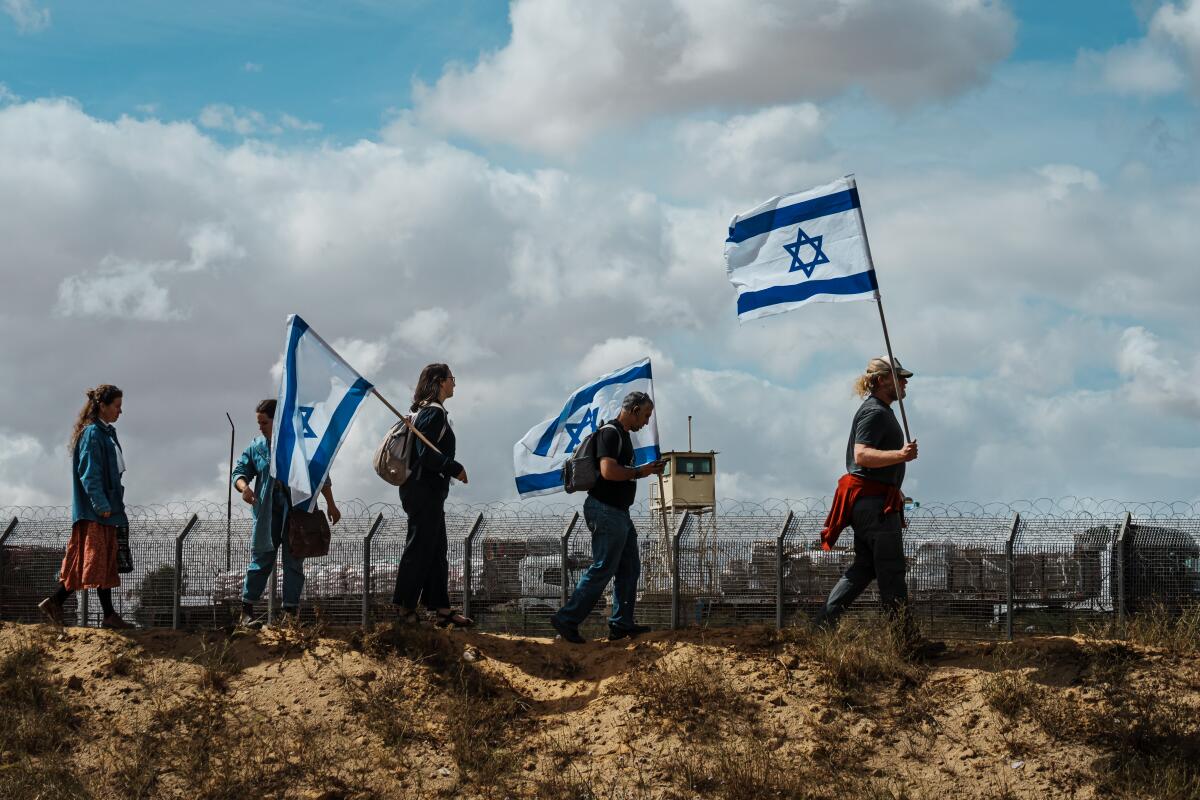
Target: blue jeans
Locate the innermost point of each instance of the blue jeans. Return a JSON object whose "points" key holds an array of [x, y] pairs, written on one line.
{"points": [[878, 555], [259, 571], [614, 555]]}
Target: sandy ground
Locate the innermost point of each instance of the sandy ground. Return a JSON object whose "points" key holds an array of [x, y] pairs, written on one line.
{"points": [[723, 713]]}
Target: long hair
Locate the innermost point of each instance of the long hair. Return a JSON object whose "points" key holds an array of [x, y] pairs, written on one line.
{"points": [[427, 385], [103, 394], [866, 383]]}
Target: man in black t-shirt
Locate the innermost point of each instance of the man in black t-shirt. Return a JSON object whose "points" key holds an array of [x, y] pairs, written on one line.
{"points": [[614, 539], [869, 499]]}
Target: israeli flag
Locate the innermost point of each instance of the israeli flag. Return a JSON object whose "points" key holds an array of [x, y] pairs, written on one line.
{"points": [[539, 456], [801, 248], [319, 396]]}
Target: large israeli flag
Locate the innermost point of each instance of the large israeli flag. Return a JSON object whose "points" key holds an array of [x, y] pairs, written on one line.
{"points": [[539, 456], [319, 396], [800, 248]]}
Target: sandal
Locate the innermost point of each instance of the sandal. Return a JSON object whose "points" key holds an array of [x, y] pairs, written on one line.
{"points": [[453, 619]]}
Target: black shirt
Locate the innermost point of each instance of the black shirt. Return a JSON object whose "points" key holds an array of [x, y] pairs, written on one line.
{"points": [[612, 441], [875, 426], [430, 467]]}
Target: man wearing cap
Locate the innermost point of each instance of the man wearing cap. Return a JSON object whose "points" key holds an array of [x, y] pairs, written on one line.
{"points": [[869, 499]]}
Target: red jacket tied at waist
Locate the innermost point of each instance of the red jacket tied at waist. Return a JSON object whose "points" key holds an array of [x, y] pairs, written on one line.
{"points": [[849, 489]]}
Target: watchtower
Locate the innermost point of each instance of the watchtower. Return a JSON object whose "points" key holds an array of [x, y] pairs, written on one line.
{"points": [[689, 483]]}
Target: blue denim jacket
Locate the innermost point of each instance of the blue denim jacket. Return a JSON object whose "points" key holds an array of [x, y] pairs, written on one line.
{"points": [[255, 466], [97, 478]]}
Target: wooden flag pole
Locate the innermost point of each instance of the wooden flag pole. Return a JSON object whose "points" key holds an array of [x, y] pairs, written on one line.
{"points": [[887, 340], [406, 421]]}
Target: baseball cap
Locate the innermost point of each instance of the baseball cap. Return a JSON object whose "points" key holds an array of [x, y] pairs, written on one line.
{"points": [[880, 365]]}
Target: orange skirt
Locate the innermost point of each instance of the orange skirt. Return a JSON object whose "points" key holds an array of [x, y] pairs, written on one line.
{"points": [[91, 559]]}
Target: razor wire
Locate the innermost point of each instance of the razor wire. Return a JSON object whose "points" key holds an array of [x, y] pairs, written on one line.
{"points": [[976, 569]]}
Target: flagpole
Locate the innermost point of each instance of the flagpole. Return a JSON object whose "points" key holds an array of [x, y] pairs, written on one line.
{"points": [[406, 421], [887, 340]]}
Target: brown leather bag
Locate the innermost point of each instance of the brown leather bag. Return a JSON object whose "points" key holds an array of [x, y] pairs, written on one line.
{"points": [[308, 533]]}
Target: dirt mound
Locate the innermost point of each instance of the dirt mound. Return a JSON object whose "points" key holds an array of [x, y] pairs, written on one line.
{"points": [[753, 713]]}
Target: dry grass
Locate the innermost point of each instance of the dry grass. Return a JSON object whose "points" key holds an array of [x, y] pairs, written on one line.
{"points": [[859, 656], [200, 745], [742, 770], [1175, 632], [1149, 741], [217, 664], [37, 726], [430, 693], [695, 694]]}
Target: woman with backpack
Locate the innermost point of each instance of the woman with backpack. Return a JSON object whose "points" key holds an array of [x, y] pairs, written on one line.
{"points": [[424, 572], [98, 516]]}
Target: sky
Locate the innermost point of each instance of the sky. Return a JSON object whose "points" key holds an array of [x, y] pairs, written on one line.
{"points": [[538, 193]]}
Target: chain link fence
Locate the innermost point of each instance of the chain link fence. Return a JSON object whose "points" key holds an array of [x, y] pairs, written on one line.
{"points": [[974, 570]]}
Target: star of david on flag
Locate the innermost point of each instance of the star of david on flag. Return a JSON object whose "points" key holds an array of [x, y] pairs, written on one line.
{"points": [[539, 456], [800, 248], [319, 396]]}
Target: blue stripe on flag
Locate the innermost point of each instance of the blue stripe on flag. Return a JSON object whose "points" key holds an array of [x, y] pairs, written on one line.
{"points": [[583, 397], [553, 480], [792, 215], [287, 431], [343, 415], [798, 292]]}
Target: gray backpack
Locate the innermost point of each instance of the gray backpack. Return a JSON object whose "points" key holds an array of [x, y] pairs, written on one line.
{"points": [[582, 469]]}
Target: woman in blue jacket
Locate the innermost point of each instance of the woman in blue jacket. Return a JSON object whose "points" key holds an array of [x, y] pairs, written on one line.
{"points": [[271, 503], [424, 572], [98, 507]]}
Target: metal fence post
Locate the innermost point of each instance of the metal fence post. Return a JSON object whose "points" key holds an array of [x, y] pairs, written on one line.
{"points": [[1010, 579], [1122, 533], [468, 580], [564, 589], [178, 588], [12, 526], [683, 521], [367, 588], [787, 523]]}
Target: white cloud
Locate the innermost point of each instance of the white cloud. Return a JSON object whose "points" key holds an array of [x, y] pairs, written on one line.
{"points": [[118, 290], [130, 289], [27, 16], [249, 122], [1179, 23], [1156, 380], [296, 124], [367, 358], [433, 333], [7, 95], [572, 69], [1009, 294], [222, 117], [1161, 62], [1064, 178], [613, 354], [773, 147], [1141, 67]]}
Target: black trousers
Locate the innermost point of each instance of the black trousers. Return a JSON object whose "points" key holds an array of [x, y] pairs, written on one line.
{"points": [[878, 555], [424, 573]]}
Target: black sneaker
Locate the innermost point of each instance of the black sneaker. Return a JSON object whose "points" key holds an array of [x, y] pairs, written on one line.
{"points": [[617, 634], [567, 632]]}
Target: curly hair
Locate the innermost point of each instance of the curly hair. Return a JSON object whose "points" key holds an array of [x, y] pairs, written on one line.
{"points": [[104, 394]]}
